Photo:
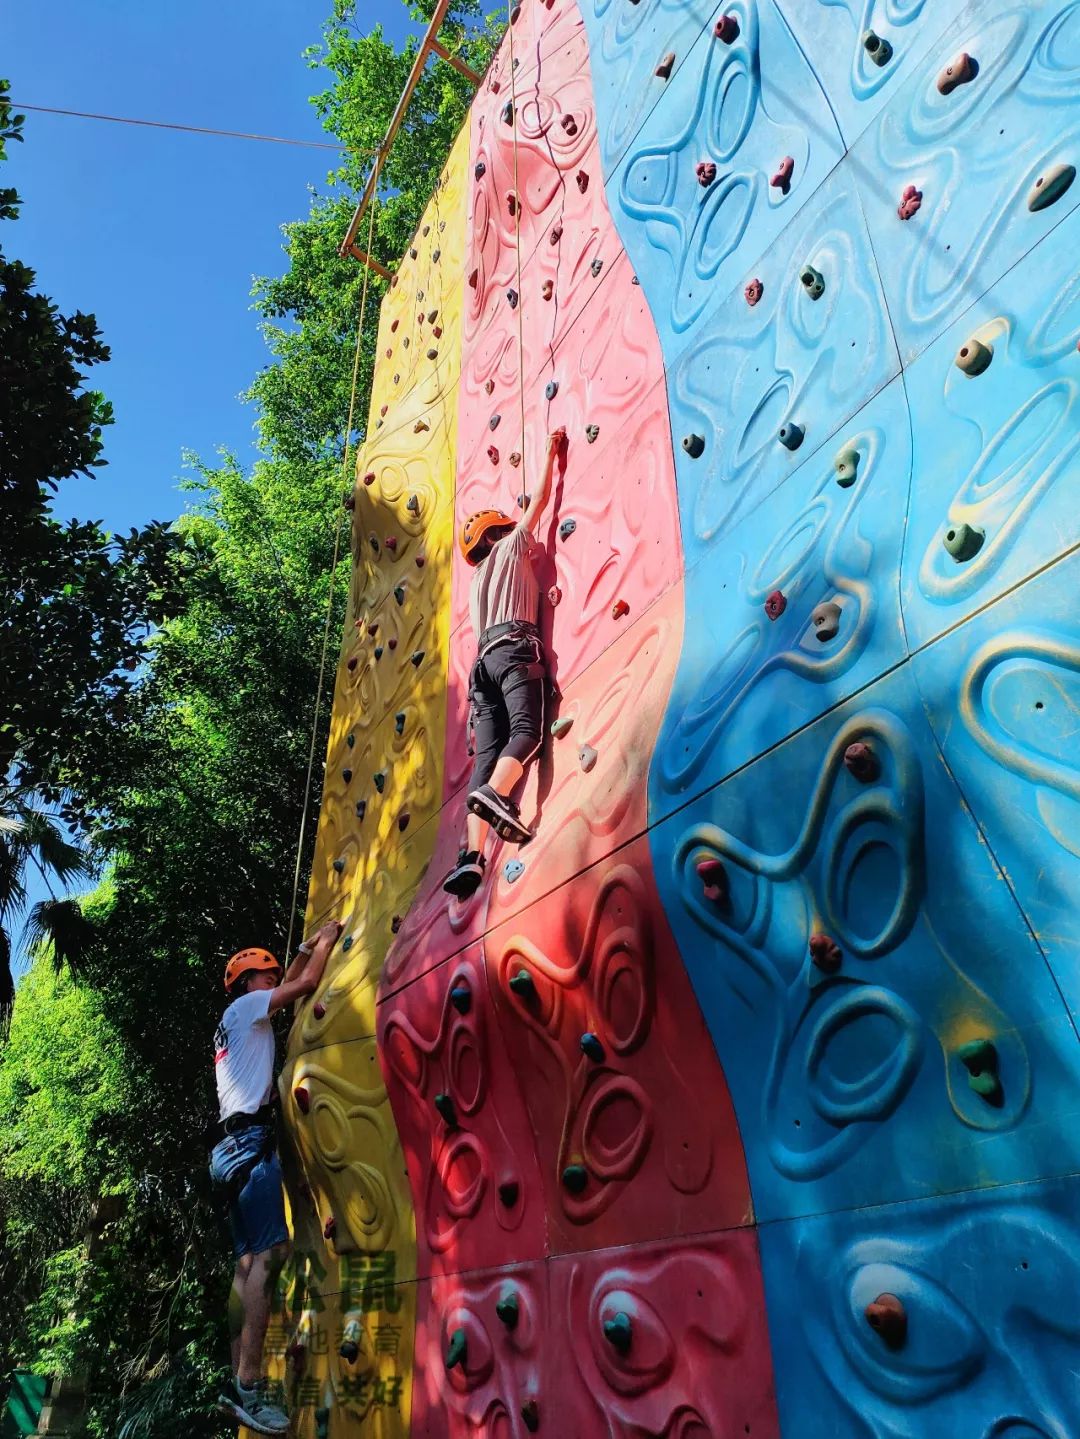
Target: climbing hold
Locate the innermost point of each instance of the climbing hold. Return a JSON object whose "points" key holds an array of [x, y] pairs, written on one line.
{"points": [[346, 775], [412, 504], [369, 478], [515, 459], [512, 299], [782, 179], [457, 1350], [351, 740], [727, 29], [378, 652], [353, 662], [479, 170], [474, 279], [302, 1097], [964, 542], [513, 869], [635, 281], [878, 49], [694, 445], [522, 501], [753, 292], [974, 357], [596, 267], [813, 282], [508, 1194], [350, 1341], [508, 113], [437, 332], [399, 722], [1050, 186], [318, 1009], [394, 326], [619, 609], [444, 1103], [618, 1331], [888, 1317], [591, 1047], [403, 820], [508, 1307], [339, 866], [461, 998], [373, 628], [569, 124], [361, 808], [775, 604], [582, 179], [705, 171], [980, 1058], [592, 433], [395, 924], [436, 256], [322, 1422], [560, 727], [380, 780], [554, 595], [665, 67], [412, 254], [512, 203], [373, 541], [419, 560], [350, 502], [433, 354], [426, 231], [530, 1415], [575, 1177], [960, 72], [910, 202], [713, 878], [493, 454], [391, 543], [399, 594], [421, 427], [489, 387], [825, 953], [556, 234], [846, 467], [494, 422], [862, 762], [552, 389], [587, 757], [548, 289], [522, 984], [791, 436], [826, 621], [567, 528]]}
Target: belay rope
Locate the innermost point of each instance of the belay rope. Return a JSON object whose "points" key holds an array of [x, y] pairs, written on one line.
{"points": [[333, 568], [510, 7]]}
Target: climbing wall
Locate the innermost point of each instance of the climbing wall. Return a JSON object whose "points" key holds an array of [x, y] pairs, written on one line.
{"points": [[742, 1100]]}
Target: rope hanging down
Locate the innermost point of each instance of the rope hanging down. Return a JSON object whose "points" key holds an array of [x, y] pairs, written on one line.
{"points": [[517, 241], [333, 576]]}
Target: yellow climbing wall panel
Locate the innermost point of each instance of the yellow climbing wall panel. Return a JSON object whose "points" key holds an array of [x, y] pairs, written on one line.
{"points": [[341, 1343]]}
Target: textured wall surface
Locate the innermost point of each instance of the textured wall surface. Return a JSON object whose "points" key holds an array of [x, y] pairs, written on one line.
{"points": [[799, 278]]}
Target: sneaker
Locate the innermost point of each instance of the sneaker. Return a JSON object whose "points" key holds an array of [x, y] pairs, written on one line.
{"points": [[467, 875], [250, 1408], [500, 812]]}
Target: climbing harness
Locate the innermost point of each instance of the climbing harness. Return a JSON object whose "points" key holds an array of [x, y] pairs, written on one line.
{"points": [[333, 574]]}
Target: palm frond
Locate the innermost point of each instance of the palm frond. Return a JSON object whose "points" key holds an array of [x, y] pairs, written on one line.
{"points": [[42, 836], [12, 885], [60, 924], [7, 981]]}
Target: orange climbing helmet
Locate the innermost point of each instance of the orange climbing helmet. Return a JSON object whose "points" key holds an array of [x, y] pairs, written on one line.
{"points": [[244, 962], [478, 526]]}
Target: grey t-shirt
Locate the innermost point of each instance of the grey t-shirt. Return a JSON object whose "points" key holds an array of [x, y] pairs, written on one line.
{"points": [[504, 586]]}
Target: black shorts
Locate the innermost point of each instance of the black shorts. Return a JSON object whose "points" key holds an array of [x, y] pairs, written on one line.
{"points": [[506, 697]]}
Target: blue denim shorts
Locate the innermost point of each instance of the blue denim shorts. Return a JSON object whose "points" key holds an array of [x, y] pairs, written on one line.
{"points": [[257, 1214]]}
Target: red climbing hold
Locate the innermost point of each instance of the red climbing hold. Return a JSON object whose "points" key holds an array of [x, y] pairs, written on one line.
{"points": [[862, 762], [489, 387], [706, 173], [582, 181], [549, 289], [393, 327], [825, 953], [776, 604], [302, 1096], [474, 279], [556, 234], [667, 64], [391, 543], [330, 1228], [713, 878], [727, 29], [493, 454], [373, 628], [420, 561], [369, 478], [962, 70], [515, 459], [619, 609], [754, 292], [782, 179], [318, 1009], [512, 203], [910, 203], [554, 595], [888, 1317], [569, 124]]}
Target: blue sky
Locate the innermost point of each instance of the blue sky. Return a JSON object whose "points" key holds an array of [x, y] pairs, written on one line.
{"points": [[158, 233]]}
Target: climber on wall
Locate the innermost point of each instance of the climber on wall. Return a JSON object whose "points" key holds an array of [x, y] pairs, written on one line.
{"points": [[506, 687], [244, 1162]]}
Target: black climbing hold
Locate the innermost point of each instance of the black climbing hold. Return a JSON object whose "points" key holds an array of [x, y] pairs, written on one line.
{"points": [[508, 1308], [373, 541], [444, 1103], [480, 170], [378, 652], [635, 281], [812, 281], [361, 808], [552, 389], [694, 445], [339, 865], [433, 354], [575, 1177], [592, 433], [619, 1332], [493, 423], [351, 741], [530, 1415], [508, 113], [412, 504], [457, 1351], [596, 267], [879, 50], [512, 299], [567, 528], [508, 1194], [791, 436], [436, 256], [380, 780], [461, 998], [346, 775], [399, 722], [591, 1047], [522, 984], [399, 594], [417, 658]]}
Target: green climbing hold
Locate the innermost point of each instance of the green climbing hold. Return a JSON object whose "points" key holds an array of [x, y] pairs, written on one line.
{"points": [[575, 1177], [846, 466], [339, 866], [347, 943], [380, 780], [619, 1332], [399, 722], [444, 1103], [351, 741], [322, 1423], [591, 1047], [980, 1058], [879, 50], [508, 1308], [461, 998], [560, 727], [1050, 186], [522, 984], [399, 594], [963, 542], [457, 1351]]}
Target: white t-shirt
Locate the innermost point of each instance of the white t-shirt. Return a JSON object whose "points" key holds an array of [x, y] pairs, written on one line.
{"points": [[504, 584], [244, 1054]]}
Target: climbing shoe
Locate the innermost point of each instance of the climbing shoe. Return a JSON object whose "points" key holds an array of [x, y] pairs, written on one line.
{"points": [[250, 1407], [500, 812], [467, 875]]}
